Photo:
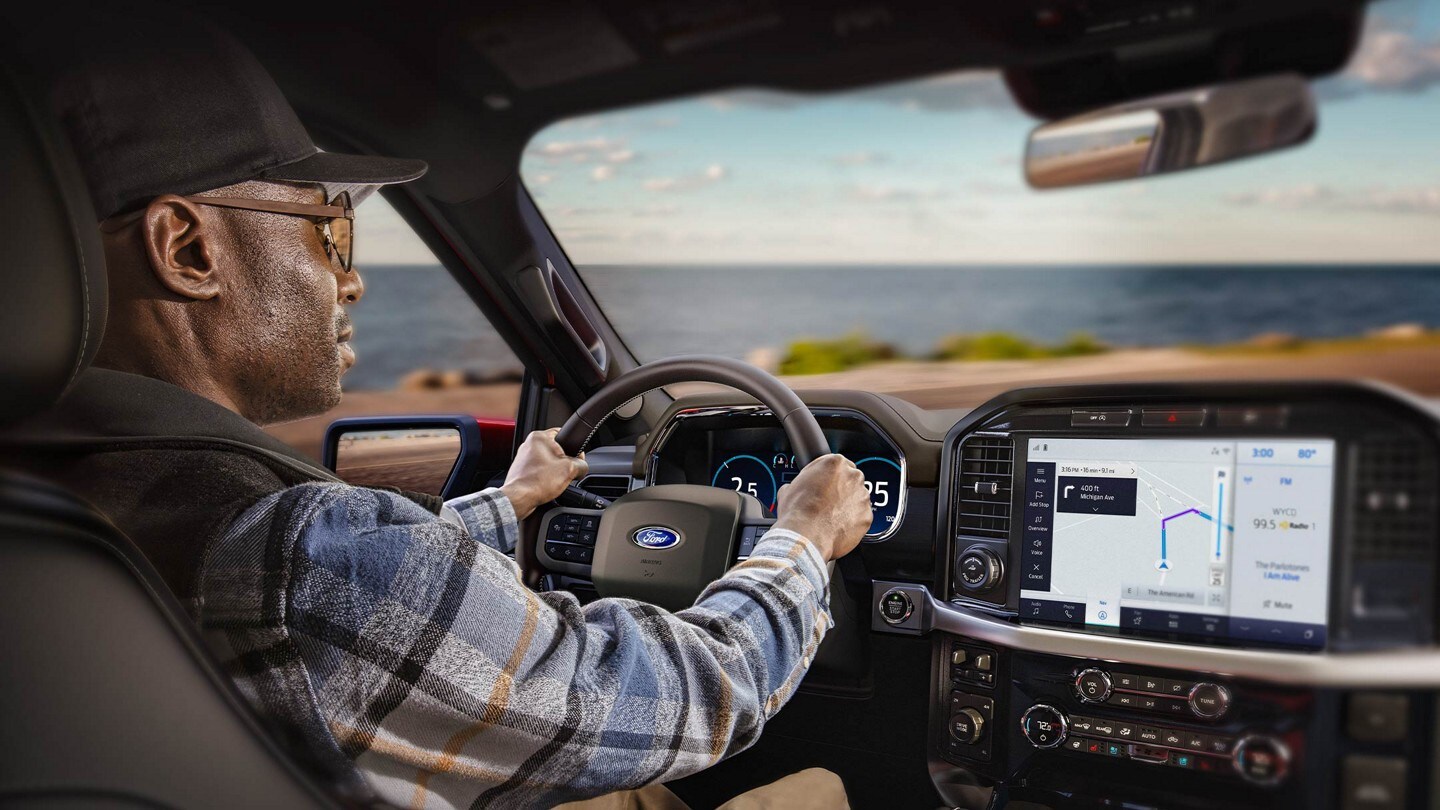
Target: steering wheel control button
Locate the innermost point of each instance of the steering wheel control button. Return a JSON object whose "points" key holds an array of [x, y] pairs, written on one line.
{"points": [[1093, 685], [1209, 700], [565, 552], [749, 536], [967, 725], [1101, 418], [895, 607], [1044, 726], [979, 570], [1261, 759]]}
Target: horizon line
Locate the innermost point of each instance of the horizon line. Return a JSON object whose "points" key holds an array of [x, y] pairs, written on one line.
{"points": [[810, 264]]}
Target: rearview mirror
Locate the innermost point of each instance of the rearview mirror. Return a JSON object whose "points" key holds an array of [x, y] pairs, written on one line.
{"points": [[1172, 132], [437, 455]]}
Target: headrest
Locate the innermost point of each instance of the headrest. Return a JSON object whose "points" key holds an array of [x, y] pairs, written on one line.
{"points": [[52, 269]]}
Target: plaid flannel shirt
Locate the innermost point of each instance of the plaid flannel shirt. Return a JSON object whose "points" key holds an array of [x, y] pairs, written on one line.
{"points": [[389, 637]]}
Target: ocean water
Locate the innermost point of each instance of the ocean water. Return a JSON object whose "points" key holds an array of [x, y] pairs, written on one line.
{"points": [[418, 317]]}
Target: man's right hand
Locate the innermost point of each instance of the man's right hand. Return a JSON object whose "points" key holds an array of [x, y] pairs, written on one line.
{"points": [[828, 504]]}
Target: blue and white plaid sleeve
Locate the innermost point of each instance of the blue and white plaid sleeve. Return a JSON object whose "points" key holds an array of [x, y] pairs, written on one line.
{"points": [[449, 683]]}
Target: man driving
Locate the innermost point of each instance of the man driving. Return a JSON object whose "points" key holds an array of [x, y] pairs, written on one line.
{"points": [[388, 637]]}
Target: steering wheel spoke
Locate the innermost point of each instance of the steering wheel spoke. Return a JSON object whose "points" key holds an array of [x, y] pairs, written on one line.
{"points": [[568, 535]]}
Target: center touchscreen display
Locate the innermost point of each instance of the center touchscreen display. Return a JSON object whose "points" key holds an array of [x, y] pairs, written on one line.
{"points": [[1197, 537]]}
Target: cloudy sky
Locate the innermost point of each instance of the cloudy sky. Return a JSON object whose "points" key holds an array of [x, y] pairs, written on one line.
{"points": [[929, 172]]}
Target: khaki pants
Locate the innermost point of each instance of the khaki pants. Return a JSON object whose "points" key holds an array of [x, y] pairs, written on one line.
{"points": [[810, 789]]}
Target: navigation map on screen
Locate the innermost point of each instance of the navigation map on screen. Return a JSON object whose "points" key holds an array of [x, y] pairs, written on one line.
{"points": [[1184, 536]]}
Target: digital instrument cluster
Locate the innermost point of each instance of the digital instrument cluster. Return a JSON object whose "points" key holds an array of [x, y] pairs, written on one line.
{"points": [[763, 477], [746, 451]]}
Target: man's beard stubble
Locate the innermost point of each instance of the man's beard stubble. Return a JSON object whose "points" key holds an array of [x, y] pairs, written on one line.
{"points": [[298, 368]]}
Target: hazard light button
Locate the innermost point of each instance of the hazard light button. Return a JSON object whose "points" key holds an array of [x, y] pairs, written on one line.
{"points": [[1172, 418]]}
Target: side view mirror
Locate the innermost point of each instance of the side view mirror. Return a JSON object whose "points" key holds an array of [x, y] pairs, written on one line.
{"points": [[438, 455], [1172, 132]]}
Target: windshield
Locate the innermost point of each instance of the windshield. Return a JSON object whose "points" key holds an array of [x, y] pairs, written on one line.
{"points": [[885, 238]]}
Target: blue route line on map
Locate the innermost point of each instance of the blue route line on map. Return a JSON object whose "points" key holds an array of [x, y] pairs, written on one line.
{"points": [[1218, 526]]}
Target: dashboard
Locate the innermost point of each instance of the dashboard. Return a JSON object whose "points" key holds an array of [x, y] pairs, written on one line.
{"points": [[1168, 595]]}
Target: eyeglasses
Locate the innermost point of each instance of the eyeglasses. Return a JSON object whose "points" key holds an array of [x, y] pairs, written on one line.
{"points": [[334, 221]]}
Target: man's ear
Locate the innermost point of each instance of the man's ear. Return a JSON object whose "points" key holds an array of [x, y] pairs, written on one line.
{"points": [[182, 247]]}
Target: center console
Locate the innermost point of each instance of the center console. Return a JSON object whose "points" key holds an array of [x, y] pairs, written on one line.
{"points": [[1184, 597]]}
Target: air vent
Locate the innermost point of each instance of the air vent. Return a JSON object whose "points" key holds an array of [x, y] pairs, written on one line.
{"points": [[606, 486], [1394, 499], [982, 497]]}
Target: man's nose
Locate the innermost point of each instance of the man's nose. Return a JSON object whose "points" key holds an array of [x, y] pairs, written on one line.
{"points": [[351, 286]]}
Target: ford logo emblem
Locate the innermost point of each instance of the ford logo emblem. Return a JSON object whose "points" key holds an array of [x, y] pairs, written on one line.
{"points": [[655, 537]]}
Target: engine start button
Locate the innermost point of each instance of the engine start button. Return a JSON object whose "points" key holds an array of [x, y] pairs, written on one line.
{"points": [[896, 606]]}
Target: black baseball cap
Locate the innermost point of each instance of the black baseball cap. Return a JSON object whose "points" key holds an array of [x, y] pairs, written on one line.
{"points": [[156, 100]]}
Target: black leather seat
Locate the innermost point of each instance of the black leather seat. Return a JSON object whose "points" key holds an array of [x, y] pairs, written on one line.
{"points": [[108, 697]]}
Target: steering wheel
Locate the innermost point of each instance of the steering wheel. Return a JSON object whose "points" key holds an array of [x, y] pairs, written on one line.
{"points": [[663, 544]]}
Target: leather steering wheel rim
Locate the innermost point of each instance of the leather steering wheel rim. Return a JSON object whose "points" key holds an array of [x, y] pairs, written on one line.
{"points": [[799, 424]]}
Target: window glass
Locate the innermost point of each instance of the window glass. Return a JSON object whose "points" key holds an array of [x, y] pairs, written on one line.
{"points": [[421, 344], [885, 239]]}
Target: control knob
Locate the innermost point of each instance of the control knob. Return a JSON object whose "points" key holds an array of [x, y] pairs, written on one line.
{"points": [[967, 725], [1208, 700], [1044, 726], [1261, 759], [1093, 685], [979, 569]]}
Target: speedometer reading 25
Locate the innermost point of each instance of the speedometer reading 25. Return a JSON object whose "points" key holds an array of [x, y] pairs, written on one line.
{"points": [[882, 481], [749, 475]]}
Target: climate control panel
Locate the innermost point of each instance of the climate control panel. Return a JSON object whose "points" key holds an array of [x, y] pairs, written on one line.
{"points": [[1055, 723], [1257, 758]]}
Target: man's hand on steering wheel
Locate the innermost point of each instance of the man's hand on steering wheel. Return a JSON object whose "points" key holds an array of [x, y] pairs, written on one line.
{"points": [[540, 472], [828, 505]]}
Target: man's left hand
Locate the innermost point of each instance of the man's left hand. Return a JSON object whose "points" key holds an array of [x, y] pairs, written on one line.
{"points": [[540, 472]]}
